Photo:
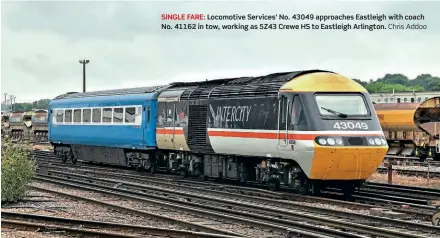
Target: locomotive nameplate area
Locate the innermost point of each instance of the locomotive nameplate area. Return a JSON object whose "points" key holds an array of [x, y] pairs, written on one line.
{"points": [[257, 113], [232, 113]]}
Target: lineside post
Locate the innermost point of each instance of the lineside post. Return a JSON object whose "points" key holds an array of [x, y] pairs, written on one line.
{"points": [[390, 173]]}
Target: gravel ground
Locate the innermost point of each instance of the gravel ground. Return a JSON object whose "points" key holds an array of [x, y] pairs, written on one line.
{"points": [[418, 168], [151, 208], [334, 207], [11, 233], [60, 206], [48, 204]]}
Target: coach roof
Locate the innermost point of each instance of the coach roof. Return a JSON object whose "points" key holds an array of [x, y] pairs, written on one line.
{"points": [[104, 100], [113, 92]]}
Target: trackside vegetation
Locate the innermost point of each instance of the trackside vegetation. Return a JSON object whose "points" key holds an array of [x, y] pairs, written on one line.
{"points": [[18, 168]]}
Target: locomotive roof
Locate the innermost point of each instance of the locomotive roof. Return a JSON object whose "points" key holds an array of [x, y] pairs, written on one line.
{"points": [[270, 78], [271, 83]]}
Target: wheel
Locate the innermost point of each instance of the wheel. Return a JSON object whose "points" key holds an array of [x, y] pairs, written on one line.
{"points": [[274, 184], [183, 173], [203, 177], [153, 169], [303, 190]]}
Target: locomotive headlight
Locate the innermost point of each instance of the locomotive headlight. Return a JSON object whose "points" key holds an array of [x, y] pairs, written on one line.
{"points": [[331, 141], [322, 141], [384, 142], [371, 141], [339, 141], [377, 140]]}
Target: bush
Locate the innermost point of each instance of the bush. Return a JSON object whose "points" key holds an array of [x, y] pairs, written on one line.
{"points": [[17, 170]]}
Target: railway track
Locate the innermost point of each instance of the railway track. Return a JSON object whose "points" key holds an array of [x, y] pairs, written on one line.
{"points": [[409, 193], [81, 227], [269, 212], [410, 160], [199, 209], [417, 205], [432, 173]]}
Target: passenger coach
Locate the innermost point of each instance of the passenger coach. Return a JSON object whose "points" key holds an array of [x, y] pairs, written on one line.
{"points": [[305, 129]]}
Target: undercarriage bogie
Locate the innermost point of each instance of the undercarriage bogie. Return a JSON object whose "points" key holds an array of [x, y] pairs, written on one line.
{"points": [[271, 172], [268, 171], [64, 152], [139, 160]]}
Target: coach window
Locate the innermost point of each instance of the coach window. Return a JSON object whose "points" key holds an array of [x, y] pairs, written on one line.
{"points": [[419, 99], [130, 113], [96, 115], [107, 115], [59, 116], [68, 116], [405, 99], [412, 99], [87, 113], [77, 116], [426, 98], [398, 100], [118, 114]]}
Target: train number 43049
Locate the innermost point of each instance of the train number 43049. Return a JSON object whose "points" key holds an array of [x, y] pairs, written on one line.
{"points": [[350, 125]]}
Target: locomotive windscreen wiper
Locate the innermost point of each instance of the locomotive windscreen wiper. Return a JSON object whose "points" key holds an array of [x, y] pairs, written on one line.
{"points": [[335, 112]]}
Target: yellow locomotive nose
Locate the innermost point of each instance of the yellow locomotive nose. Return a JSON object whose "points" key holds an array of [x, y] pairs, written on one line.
{"points": [[346, 162]]}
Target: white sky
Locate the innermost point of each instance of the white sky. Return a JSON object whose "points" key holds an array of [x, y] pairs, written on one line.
{"points": [[41, 43]]}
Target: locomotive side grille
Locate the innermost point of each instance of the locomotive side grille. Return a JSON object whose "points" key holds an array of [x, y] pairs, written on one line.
{"points": [[197, 128]]}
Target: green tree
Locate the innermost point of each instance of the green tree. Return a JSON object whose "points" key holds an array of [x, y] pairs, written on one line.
{"points": [[401, 83]]}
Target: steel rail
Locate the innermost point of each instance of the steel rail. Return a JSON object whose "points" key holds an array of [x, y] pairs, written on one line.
{"points": [[9, 216], [258, 209]]}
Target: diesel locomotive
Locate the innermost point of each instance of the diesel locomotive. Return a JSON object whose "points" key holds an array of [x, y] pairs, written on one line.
{"points": [[305, 129]]}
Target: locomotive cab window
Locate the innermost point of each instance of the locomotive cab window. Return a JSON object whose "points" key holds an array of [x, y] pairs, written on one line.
{"points": [[341, 105], [298, 117]]}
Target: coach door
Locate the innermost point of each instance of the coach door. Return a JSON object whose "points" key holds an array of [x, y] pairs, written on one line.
{"points": [[283, 118]]}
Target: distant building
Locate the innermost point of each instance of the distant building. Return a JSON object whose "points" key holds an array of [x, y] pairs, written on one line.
{"points": [[402, 97]]}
